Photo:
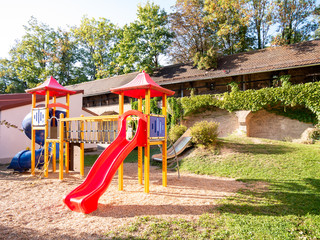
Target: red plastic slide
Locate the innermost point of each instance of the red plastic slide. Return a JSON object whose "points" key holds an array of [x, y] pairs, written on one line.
{"points": [[85, 197]]}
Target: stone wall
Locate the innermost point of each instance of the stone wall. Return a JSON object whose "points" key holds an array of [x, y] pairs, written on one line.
{"points": [[263, 124], [228, 121]]}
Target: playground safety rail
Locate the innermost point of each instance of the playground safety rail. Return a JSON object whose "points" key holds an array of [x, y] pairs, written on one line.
{"points": [[97, 129]]}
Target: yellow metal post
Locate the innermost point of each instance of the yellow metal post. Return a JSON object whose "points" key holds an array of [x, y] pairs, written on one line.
{"points": [[54, 111], [61, 147], [54, 158], [140, 148], [164, 144], [120, 169], [33, 138], [147, 148], [67, 129], [46, 145], [66, 156], [82, 148]]}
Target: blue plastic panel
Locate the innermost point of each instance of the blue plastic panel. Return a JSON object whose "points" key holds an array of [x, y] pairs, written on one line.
{"points": [[157, 126]]}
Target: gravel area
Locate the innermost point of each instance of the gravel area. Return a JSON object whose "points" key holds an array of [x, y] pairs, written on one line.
{"points": [[32, 208]]}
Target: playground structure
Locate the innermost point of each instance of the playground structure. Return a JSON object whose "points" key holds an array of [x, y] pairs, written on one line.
{"points": [[151, 130], [41, 121], [54, 130]]}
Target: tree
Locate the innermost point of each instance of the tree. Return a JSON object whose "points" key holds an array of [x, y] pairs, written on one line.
{"points": [[261, 20], [9, 82], [230, 18], [294, 20], [155, 36], [95, 39], [193, 35], [317, 16], [40, 53], [126, 52], [66, 58], [144, 40], [30, 58]]}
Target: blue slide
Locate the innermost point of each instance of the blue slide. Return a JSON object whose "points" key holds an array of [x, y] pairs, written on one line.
{"points": [[21, 162]]}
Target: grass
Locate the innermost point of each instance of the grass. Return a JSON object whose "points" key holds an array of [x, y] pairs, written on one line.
{"points": [[270, 160], [287, 207]]}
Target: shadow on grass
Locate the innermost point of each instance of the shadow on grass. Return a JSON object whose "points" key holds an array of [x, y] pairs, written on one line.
{"points": [[296, 197], [255, 148]]}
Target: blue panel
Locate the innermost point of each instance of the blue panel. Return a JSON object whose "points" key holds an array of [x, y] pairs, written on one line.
{"points": [[157, 128]]}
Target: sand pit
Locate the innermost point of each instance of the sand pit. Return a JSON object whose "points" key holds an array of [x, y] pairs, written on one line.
{"points": [[33, 209]]}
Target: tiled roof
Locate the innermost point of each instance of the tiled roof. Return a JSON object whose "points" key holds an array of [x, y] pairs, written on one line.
{"points": [[101, 86], [264, 60], [15, 100]]}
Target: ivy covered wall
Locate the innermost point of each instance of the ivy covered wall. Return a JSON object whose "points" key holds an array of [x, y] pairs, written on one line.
{"points": [[301, 101]]}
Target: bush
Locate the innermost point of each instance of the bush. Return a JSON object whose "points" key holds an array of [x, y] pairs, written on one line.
{"points": [[176, 132], [315, 134], [205, 133]]}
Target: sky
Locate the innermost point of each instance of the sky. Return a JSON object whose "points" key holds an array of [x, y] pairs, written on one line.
{"points": [[63, 13], [14, 14]]}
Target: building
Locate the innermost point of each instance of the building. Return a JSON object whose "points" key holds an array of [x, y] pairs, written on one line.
{"points": [[251, 70]]}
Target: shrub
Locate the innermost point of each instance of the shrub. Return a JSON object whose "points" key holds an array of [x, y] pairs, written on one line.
{"points": [[205, 133], [176, 132], [314, 134]]}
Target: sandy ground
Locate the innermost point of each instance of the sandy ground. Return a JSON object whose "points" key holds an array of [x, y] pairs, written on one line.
{"points": [[32, 208]]}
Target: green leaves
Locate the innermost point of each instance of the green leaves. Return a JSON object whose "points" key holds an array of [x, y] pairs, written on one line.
{"points": [[300, 95], [230, 18], [194, 39], [144, 40], [95, 40], [197, 103]]}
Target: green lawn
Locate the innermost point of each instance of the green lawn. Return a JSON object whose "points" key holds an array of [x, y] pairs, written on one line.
{"points": [[288, 207]]}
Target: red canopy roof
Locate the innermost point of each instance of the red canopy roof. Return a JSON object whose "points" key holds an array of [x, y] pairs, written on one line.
{"points": [[137, 87], [54, 88]]}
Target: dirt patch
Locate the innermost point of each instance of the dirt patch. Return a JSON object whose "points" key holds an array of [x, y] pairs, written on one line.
{"points": [[33, 209]]}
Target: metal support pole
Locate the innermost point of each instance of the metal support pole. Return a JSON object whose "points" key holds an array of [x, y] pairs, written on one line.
{"points": [[164, 144], [82, 149], [33, 138], [54, 145], [46, 145], [67, 129], [120, 169], [147, 148], [140, 148], [61, 147]]}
